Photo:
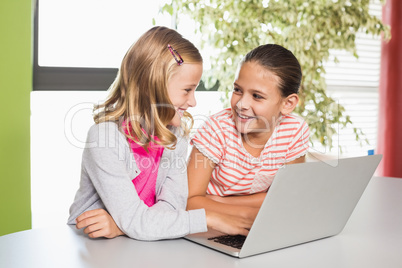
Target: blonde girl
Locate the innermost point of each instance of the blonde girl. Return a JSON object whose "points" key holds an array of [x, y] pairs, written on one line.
{"points": [[133, 179]]}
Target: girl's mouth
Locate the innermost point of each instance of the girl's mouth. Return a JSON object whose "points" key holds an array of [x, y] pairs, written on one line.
{"points": [[244, 117]]}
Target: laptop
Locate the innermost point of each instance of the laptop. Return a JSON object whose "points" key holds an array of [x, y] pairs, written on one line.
{"points": [[305, 202]]}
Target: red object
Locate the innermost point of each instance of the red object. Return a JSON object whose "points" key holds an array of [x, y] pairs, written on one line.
{"points": [[390, 110]]}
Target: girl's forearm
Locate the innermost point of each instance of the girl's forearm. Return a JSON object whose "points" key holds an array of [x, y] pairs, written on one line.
{"points": [[244, 211], [253, 200]]}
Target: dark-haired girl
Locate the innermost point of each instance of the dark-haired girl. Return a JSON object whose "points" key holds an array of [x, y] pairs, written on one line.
{"points": [[238, 151]]}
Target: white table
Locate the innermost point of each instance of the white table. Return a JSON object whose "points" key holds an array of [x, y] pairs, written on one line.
{"points": [[371, 238]]}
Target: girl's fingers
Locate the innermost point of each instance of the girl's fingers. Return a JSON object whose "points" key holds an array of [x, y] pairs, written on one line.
{"points": [[86, 222], [98, 223], [92, 228], [96, 234], [87, 214], [89, 217], [244, 232]]}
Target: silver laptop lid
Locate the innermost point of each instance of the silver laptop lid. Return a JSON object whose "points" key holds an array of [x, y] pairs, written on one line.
{"points": [[309, 201]]}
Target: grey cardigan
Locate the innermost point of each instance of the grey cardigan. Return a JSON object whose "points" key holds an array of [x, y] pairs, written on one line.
{"points": [[108, 167]]}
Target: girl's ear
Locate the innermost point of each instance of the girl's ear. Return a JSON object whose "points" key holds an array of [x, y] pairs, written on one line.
{"points": [[289, 103]]}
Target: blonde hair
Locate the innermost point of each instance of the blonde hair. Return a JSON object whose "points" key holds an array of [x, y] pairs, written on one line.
{"points": [[139, 95]]}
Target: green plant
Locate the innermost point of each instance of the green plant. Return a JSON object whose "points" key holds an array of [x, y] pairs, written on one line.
{"points": [[310, 29]]}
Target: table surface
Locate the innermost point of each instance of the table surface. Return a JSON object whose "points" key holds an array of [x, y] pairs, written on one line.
{"points": [[371, 238]]}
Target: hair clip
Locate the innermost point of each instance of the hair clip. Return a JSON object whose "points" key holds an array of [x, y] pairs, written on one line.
{"points": [[174, 53]]}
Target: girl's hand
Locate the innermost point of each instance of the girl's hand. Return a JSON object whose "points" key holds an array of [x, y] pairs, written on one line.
{"points": [[228, 224], [98, 223]]}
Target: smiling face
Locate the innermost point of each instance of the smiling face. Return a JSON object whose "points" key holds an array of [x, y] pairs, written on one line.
{"points": [[256, 101], [181, 88]]}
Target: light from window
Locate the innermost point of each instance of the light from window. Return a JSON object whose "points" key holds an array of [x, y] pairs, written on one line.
{"points": [[93, 33]]}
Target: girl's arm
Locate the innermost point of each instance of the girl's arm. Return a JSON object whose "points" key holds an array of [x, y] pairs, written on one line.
{"points": [[252, 200], [199, 172], [171, 196], [106, 179]]}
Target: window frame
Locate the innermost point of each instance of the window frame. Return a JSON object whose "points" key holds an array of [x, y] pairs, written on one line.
{"points": [[67, 78]]}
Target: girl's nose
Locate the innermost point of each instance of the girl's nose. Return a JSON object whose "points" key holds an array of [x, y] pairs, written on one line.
{"points": [[243, 104], [191, 100]]}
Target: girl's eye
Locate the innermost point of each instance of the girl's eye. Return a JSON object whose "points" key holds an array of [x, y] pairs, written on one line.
{"points": [[256, 96], [236, 90], [188, 90]]}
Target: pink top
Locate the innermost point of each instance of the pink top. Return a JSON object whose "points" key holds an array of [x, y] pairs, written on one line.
{"points": [[148, 163]]}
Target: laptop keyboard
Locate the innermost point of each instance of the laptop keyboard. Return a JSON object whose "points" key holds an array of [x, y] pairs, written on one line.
{"points": [[235, 241]]}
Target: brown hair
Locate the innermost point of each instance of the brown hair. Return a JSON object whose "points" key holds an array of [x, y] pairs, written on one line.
{"points": [[139, 93], [281, 62]]}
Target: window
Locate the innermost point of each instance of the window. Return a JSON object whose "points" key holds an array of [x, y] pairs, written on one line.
{"points": [[79, 44], [354, 84]]}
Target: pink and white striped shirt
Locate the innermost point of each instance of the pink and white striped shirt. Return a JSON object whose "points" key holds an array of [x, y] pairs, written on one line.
{"points": [[237, 172]]}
